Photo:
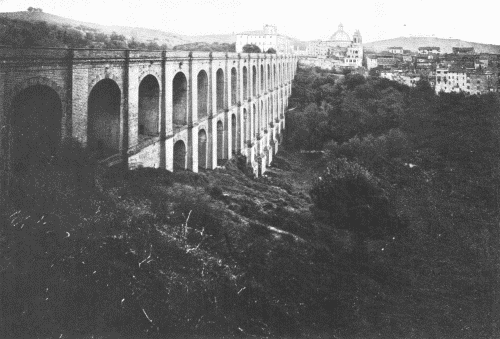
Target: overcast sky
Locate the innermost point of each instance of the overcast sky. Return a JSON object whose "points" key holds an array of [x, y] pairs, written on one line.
{"points": [[305, 20]]}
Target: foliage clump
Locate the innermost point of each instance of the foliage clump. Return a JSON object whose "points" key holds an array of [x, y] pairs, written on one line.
{"points": [[20, 33], [206, 47], [251, 48], [354, 200]]}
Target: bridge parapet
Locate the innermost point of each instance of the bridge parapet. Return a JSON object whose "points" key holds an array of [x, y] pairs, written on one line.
{"points": [[178, 54], [7, 53], [99, 54], [219, 55], [87, 53], [139, 54], [200, 55]]}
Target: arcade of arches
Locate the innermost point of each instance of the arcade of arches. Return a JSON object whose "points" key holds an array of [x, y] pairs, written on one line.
{"points": [[213, 114]]}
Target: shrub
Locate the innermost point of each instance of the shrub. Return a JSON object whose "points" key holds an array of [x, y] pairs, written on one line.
{"points": [[248, 48], [354, 200]]}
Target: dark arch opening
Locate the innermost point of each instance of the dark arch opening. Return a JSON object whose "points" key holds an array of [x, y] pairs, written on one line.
{"points": [[179, 156], [234, 82], [261, 115], [269, 112], [245, 83], [202, 149], [36, 127], [220, 89], [233, 134], [220, 142], [273, 109], [149, 106], [275, 76], [246, 126], [202, 95], [269, 76], [179, 99], [255, 120], [254, 81], [104, 118], [262, 78]]}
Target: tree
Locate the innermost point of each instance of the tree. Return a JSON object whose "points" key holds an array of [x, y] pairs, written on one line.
{"points": [[250, 48], [271, 51], [355, 201], [375, 72], [346, 71]]}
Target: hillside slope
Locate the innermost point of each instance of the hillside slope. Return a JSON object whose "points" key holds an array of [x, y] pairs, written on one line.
{"points": [[413, 43], [137, 33], [154, 252]]}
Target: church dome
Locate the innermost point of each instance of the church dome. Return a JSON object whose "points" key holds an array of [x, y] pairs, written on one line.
{"points": [[340, 35]]}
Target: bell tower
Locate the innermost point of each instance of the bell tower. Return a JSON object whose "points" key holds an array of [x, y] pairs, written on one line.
{"points": [[357, 39]]}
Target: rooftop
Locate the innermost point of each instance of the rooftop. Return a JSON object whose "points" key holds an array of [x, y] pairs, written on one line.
{"points": [[429, 48]]}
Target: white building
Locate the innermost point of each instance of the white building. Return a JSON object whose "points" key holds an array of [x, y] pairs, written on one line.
{"points": [[371, 61], [408, 79], [395, 50], [452, 81], [265, 39]]}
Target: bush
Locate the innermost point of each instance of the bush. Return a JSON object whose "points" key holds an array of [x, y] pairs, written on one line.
{"points": [[354, 200], [249, 48]]}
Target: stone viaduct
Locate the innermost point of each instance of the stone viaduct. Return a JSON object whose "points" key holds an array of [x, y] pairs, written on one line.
{"points": [[174, 110]]}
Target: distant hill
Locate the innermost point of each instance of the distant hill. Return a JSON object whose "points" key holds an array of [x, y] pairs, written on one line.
{"points": [[137, 33], [413, 43]]}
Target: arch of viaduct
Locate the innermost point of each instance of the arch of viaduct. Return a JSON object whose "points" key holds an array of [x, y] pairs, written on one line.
{"points": [[174, 110]]}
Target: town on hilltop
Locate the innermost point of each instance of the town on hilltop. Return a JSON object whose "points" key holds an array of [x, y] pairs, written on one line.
{"points": [[464, 70]]}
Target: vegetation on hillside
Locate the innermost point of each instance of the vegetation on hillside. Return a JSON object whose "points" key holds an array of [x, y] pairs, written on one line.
{"points": [[437, 159], [206, 47], [20, 33], [251, 48], [149, 252]]}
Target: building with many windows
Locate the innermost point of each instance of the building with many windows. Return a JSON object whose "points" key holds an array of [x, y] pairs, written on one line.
{"points": [[265, 39], [395, 50], [470, 81]]}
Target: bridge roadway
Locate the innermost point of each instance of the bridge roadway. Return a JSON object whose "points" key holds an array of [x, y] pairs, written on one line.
{"points": [[168, 109]]}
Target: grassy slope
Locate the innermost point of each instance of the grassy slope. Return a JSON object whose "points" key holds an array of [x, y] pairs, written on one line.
{"points": [[219, 253], [138, 33]]}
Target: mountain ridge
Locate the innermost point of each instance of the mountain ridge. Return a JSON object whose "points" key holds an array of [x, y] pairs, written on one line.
{"points": [[446, 45]]}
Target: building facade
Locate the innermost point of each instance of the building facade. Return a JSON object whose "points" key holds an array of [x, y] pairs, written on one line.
{"points": [[469, 81], [266, 38]]}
